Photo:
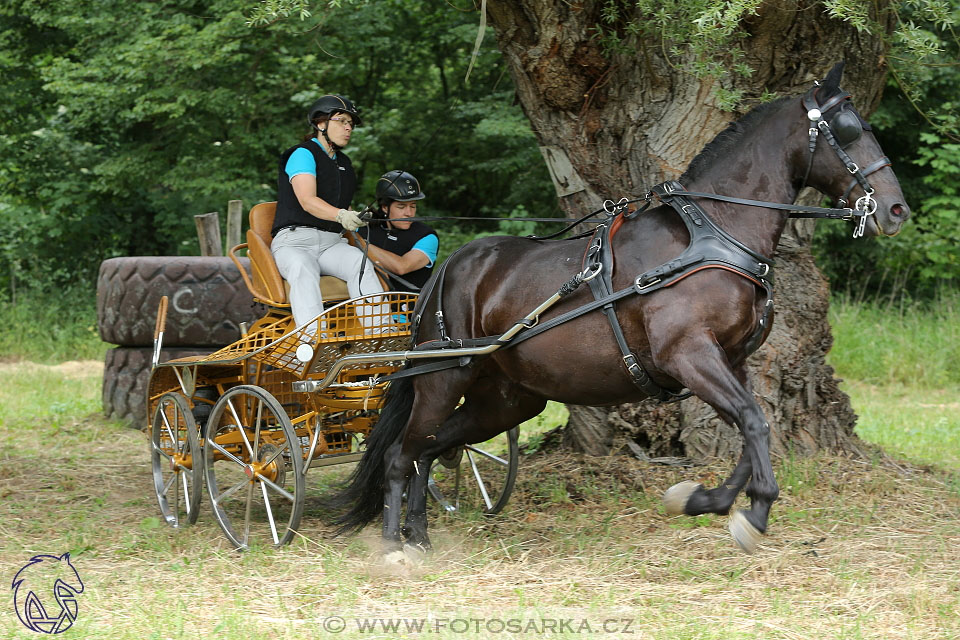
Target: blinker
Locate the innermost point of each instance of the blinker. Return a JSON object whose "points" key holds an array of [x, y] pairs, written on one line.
{"points": [[846, 127]]}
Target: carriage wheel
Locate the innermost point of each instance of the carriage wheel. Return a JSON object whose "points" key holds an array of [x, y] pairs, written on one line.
{"points": [[253, 465], [476, 476], [177, 461]]}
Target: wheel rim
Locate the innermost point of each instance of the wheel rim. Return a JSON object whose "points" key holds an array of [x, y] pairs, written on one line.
{"points": [[176, 461], [483, 479], [254, 474]]}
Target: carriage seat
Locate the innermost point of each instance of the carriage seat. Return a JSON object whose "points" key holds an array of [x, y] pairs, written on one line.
{"points": [[266, 284]]}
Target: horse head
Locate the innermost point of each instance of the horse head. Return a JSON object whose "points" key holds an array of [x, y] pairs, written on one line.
{"points": [[845, 161]]}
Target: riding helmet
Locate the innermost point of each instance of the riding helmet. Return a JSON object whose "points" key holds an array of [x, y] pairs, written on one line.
{"points": [[329, 104], [398, 186]]}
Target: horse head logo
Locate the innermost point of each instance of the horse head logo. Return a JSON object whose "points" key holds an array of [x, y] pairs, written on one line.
{"points": [[43, 581]]}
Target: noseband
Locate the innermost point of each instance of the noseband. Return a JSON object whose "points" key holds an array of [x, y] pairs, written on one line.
{"points": [[842, 130]]}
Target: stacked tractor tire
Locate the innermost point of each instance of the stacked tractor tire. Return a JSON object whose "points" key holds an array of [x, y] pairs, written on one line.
{"points": [[208, 301]]}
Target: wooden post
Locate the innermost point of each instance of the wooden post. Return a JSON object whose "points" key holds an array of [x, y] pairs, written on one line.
{"points": [[208, 232], [234, 222]]}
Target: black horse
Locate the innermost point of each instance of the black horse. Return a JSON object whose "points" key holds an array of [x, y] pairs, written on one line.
{"points": [[694, 334]]}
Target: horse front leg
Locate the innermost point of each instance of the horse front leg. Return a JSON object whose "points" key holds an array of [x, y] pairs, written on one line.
{"points": [[704, 369], [692, 499]]}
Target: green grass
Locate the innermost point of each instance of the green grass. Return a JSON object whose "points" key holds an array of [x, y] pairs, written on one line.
{"points": [[901, 369], [868, 554], [50, 327], [916, 346], [918, 424]]}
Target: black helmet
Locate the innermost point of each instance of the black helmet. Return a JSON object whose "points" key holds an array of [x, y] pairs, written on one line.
{"points": [[398, 186], [330, 104]]}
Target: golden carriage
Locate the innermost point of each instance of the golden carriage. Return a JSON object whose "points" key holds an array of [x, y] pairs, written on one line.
{"points": [[249, 420]]}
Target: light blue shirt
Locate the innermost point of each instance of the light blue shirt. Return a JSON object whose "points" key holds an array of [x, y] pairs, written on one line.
{"points": [[301, 161], [429, 245]]}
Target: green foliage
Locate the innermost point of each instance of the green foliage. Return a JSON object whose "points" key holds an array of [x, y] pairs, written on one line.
{"points": [[121, 121], [124, 120], [695, 33], [917, 126]]}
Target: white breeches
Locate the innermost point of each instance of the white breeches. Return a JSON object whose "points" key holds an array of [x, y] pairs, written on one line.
{"points": [[304, 254]]}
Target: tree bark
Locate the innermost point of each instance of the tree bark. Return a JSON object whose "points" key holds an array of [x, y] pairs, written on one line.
{"points": [[613, 126]]}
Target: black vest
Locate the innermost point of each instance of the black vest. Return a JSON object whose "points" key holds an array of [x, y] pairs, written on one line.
{"points": [[400, 242], [336, 183]]}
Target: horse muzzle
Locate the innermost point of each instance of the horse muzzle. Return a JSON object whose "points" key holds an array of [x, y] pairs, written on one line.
{"points": [[888, 219]]}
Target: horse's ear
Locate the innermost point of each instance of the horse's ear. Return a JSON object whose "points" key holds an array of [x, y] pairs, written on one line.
{"points": [[66, 556], [831, 84]]}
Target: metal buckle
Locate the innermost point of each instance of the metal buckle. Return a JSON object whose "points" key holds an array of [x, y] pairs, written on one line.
{"points": [[591, 275], [646, 286], [853, 168], [766, 269], [615, 207]]}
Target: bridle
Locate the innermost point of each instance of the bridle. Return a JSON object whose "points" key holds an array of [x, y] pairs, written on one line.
{"points": [[843, 129]]}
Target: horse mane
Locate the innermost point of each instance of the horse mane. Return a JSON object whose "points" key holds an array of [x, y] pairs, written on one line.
{"points": [[725, 141]]}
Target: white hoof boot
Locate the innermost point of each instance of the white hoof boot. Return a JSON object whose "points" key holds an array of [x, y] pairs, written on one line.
{"points": [[396, 558], [745, 534], [414, 553], [675, 498]]}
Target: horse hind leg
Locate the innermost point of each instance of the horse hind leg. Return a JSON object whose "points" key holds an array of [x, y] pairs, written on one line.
{"points": [[436, 397], [489, 408], [704, 369]]}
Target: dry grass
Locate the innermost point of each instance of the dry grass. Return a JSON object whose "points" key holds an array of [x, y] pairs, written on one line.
{"points": [[855, 550]]}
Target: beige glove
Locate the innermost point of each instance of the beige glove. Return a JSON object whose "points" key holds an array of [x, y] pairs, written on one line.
{"points": [[350, 220]]}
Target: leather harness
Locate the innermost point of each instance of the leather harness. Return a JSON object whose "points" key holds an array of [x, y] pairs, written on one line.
{"points": [[710, 247]]}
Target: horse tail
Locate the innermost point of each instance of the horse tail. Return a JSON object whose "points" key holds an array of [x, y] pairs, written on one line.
{"points": [[362, 493]]}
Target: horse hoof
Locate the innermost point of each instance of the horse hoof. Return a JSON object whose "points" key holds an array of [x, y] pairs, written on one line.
{"points": [[675, 498], [745, 534]]}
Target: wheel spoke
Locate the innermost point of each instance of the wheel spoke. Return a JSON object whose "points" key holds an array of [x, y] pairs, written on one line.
{"points": [[173, 439], [273, 525], [256, 433], [186, 492], [160, 450], [176, 497], [168, 484], [283, 492], [232, 490], [229, 455], [243, 432], [246, 517], [276, 454], [438, 494], [476, 474], [488, 455]]}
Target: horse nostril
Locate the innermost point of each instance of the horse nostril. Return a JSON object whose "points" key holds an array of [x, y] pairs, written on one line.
{"points": [[898, 210]]}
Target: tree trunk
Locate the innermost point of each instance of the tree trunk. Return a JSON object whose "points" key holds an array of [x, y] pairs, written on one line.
{"points": [[613, 126]]}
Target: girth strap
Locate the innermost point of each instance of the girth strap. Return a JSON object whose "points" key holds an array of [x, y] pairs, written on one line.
{"points": [[601, 251]]}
